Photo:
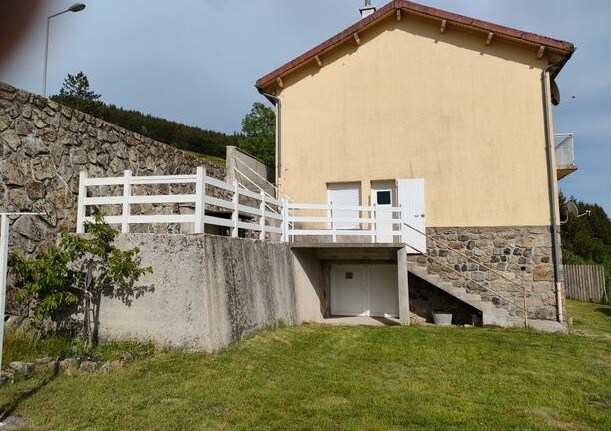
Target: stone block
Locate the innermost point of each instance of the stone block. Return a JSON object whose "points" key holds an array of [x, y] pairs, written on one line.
{"points": [[23, 126], [105, 368], [543, 273], [88, 367], [21, 369], [19, 199], [69, 366], [7, 377], [45, 365]]}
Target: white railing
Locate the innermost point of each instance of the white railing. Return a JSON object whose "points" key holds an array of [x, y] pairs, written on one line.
{"points": [[244, 205], [115, 198], [378, 224], [565, 154]]}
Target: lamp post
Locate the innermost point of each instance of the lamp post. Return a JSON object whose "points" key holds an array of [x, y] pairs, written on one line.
{"points": [[76, 7]]}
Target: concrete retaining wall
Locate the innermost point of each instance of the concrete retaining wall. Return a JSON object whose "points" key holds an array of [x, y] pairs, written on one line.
{"points": [[209, 291]]}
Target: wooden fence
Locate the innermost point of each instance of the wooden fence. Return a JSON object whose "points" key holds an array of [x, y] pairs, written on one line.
{"points": [[585, 282]]}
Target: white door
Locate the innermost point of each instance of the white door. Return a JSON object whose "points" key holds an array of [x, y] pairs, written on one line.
{"points": [[364, 290], [383, 291], [345, 194], [348, 290], [410, 195], [382, 196]]}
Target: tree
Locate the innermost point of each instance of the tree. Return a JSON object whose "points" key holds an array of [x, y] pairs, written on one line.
{"points": [[259, 133], [76, 93], [71, 278], [587, 239]]}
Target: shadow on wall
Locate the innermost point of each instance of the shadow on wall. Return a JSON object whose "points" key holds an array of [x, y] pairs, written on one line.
{"points": [[424, 299]]}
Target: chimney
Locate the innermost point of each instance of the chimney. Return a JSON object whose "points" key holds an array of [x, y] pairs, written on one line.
{"points": [[367, 9]]}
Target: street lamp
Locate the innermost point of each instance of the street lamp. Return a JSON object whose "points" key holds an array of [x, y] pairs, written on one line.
{"points": [[76, 7]]}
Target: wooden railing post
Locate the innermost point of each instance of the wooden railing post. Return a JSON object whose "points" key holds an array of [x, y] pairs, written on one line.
{"points": [[127, 191], [200, 199], [262, 219], [235, 217], [80, 206]]}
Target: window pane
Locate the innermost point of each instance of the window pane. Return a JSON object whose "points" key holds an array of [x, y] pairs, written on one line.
{"points": [[383, 197]]}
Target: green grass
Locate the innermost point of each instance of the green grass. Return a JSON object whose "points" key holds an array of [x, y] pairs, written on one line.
{"points": [[344, 378], [21, 346], [219, 161], [590, 319]]}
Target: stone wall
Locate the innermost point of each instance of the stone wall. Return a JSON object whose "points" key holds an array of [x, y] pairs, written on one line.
{"points": [[209, 291], [44, 145], [523, 254]]}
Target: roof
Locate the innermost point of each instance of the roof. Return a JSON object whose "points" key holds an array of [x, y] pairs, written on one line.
{"points": [[561, 48]]}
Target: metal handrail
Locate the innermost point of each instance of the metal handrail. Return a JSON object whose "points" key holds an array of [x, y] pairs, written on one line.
{"points": [[469, 258]]}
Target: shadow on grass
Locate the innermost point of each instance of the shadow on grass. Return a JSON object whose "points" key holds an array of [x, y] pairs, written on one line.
{"points": [[7, 409], [386, 321], [605, 309]]}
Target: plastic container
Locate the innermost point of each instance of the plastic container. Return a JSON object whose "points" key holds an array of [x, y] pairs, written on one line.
{"points": [[441, 318]]}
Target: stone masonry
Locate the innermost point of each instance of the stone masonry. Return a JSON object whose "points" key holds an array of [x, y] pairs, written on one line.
{"points": [[523, 254], [44, 145]]}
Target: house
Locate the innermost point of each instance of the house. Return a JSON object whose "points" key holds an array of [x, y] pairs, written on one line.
{"points": [[426, 140]]}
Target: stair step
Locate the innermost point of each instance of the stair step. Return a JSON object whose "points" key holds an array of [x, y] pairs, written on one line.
{"points": [[491, 314]]}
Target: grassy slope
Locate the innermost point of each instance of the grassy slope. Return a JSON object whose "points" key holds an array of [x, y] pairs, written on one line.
{"points": [[318, 377], [590, 319]]}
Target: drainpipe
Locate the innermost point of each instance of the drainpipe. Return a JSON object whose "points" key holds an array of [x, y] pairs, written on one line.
{"points": [[278, 104], [551, 182]]}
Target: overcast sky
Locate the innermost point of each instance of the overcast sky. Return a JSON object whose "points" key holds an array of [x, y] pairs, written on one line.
{"points": [[196, 61]]}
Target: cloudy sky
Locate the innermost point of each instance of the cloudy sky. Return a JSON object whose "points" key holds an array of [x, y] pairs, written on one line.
{"points": [[196, 61]]}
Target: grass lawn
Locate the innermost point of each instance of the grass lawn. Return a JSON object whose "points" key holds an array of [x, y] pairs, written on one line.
{"points": [[344, 378]]}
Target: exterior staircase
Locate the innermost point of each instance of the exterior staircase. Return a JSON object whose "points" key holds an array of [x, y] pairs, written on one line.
{"points": [[491, 314]]}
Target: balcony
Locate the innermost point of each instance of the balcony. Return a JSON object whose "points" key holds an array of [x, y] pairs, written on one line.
{"points": [[565, 156]]}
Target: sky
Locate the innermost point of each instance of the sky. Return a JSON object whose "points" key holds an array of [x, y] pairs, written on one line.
{"points": [[196, 61]]}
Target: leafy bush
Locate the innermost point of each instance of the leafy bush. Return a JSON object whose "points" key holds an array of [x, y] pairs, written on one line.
{"points": [[66, 283]]}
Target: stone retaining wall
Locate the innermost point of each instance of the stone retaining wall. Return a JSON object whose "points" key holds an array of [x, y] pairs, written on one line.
{"points": [[523, 254], [44, 145]]}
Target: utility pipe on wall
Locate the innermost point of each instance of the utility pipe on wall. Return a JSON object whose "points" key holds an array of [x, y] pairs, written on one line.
{"points": [[278, 105], [551, 182]]}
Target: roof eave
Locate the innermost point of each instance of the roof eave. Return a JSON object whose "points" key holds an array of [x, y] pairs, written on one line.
{"points": [[562, 48]]}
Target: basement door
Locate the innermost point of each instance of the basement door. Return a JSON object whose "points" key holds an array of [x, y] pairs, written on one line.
{"points": [[364, 290]]}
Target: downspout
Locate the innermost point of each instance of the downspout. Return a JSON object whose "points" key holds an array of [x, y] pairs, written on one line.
{"points": [[278, 105], [551, 182]]}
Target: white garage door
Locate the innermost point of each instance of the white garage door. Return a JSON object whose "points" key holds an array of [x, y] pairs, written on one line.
{"points": [[364, 290]]}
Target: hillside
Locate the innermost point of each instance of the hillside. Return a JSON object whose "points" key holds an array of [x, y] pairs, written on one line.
{"points": [[189, 138]]}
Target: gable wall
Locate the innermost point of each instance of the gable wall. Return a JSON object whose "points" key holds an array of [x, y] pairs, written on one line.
{"points": [[410, 102]]}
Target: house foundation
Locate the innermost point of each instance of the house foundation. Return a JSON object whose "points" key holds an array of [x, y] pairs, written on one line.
{"points": [[508, 260]]}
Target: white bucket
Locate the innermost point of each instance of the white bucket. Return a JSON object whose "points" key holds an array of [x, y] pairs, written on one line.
{"points": [[442, 319]]}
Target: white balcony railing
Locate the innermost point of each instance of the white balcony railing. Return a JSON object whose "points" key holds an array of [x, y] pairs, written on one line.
{"points": [[565, 155], [376, 224], [204, 200]]}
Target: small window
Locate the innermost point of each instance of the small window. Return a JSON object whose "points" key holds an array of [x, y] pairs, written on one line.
{"points": [[349, 276], [383, 197]]}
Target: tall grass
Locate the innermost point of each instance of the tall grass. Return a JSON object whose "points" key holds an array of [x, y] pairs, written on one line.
{"points": [[25, 346]]}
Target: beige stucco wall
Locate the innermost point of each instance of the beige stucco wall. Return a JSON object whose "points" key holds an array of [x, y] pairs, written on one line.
{"points": [[410, 102]]}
